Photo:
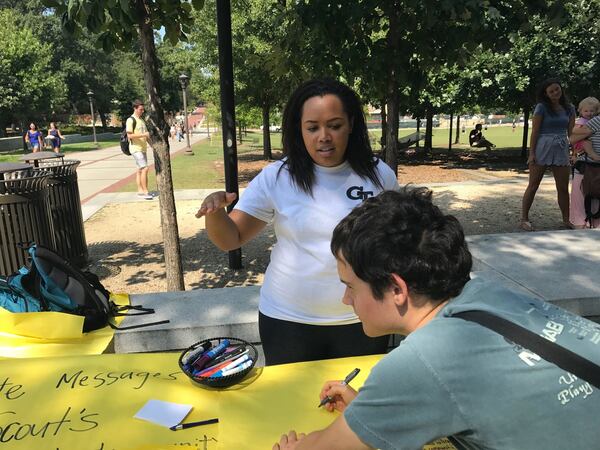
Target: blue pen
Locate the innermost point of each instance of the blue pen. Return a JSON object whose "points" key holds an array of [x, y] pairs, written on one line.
{"points": [[207, 356], [192, 354], [226, 367], [229, 354], [223, 363]]}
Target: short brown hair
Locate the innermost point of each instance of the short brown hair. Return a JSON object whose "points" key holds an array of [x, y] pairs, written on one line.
{"points": [[137, 103]]}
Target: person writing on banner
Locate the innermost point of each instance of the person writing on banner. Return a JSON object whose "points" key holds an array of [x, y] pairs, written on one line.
{"points": [[553, 121], [328, 169], [406, 267], [138, 135]]}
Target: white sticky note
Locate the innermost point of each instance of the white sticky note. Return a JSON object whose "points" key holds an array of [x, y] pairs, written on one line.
{"points": [[167, 414]]}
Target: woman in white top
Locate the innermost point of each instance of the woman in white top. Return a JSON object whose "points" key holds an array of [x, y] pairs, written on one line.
{"points": [[328, 169]]}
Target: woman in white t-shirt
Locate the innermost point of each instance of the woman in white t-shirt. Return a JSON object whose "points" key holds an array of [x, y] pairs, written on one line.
{"points": [[328, 169]]}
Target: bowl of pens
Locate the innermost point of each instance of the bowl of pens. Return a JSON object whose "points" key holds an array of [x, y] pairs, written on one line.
{"points": [[218, 362]]}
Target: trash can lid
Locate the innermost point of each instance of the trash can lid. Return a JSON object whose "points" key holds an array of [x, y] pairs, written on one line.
{"points": [[38, 156], [13, 167]]}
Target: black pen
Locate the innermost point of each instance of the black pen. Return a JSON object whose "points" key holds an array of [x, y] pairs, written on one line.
{"points": [[238, 351], [183, 426], [347, 380]]}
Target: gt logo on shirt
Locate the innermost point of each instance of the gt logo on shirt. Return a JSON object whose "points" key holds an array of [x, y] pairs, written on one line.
{"points": [[357, 193]]}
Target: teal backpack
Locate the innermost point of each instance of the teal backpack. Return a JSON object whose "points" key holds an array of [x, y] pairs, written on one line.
{"points": [[51, 283]]}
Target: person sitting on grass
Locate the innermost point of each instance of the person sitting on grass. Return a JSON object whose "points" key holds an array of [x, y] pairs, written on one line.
{"points": [[406, 267], [476, 138]]}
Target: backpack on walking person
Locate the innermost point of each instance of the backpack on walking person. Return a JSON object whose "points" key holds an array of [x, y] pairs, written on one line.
{"points": [[124, 140]]}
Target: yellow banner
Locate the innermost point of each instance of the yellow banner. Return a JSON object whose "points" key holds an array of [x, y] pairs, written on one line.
{"points": [[89, 402], [41, 334]]}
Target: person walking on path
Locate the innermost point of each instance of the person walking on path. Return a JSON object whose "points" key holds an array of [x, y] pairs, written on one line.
{"points": [[553, 121], [34, 138], [328, 169], [138, 135], [55, 137]]}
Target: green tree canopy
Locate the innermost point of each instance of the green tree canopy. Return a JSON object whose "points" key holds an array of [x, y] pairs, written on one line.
{"points": [[26, 85]]}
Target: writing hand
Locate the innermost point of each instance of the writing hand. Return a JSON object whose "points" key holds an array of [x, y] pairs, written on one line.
{"points": [[215, 201], [288, 441], [342, 395]]}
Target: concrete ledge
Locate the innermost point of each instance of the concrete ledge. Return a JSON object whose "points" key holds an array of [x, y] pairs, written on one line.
{"points": [[194, 315], [558, 266], [562, 267]]}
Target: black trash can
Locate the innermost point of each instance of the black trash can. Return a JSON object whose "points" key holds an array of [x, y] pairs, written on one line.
{"points": [[24, 214], [65, 209]]}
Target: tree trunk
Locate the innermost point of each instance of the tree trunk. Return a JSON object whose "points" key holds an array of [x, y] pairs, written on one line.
{"points": [[428, 129], [457, 129], [23, 132], [382, 141], [159, 133], [450, 132], [418, 131], [393, 116], [102, 115], [525, 133], [392, 101], [266, 133]]}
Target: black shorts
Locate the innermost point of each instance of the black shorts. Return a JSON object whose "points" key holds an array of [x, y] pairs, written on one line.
{"points": [[286, 342]]}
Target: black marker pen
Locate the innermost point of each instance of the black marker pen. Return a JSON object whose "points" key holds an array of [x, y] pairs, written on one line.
{"points": [[347, 380]]}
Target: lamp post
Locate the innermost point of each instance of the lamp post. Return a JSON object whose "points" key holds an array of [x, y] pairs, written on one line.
{"points": [[90, 95], [184, 80]]}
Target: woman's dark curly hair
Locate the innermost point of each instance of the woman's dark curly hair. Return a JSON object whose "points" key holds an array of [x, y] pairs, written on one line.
{"points": [[542, 97], [406, 234], [358, 154]]}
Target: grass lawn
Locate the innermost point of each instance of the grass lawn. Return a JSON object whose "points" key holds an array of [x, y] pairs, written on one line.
{"points": [[502, 136], [205, 168], [10, 158]]}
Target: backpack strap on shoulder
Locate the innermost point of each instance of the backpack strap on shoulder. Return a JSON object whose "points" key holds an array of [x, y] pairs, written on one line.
{"points": [[550, 351]]}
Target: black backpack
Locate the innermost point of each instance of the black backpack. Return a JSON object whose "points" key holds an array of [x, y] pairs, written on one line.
{"points": [[124, 140], [55, 285]]}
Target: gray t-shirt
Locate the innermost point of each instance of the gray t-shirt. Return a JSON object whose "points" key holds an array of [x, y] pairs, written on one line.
{"points": [[458, 378], [556, 122]]}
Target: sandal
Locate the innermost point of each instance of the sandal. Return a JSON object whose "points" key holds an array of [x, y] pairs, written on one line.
{"points": [[568, 225], [526, 225]]}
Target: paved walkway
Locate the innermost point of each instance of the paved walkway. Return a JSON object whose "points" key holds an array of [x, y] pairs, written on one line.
{"points": [[104, 170]]}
